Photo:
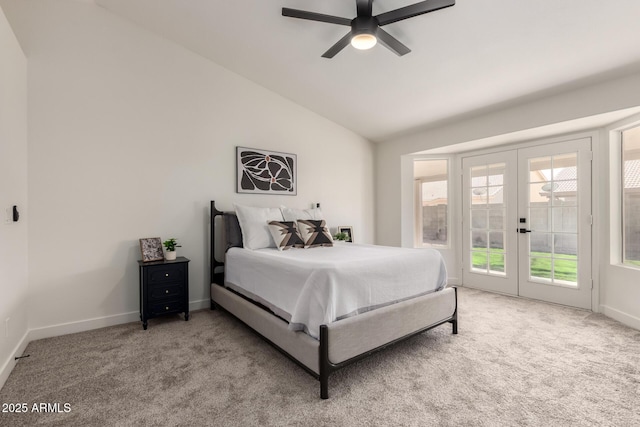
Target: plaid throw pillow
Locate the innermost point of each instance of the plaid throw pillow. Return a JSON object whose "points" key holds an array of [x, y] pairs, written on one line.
{"points": [[314, 233], [285, 234]]}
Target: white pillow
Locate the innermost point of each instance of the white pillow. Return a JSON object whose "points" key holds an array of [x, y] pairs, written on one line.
{"points": [[290, 214], [254, 223]]}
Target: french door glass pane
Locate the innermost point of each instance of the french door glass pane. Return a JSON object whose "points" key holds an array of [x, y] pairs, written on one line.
{"points": [[479, 260], [565, 245], [495, 194], [487, 211], [541, 268], [540, 244], [539, 219], [479, 196], [538, 194], [479, 176], [496, 173], [565, 193], [479, 239], [496, 219], [565, 220], [496, 262], [565, 271], [553, 218], [496, 240], [539, 169], [479, 219], [564, 166]]}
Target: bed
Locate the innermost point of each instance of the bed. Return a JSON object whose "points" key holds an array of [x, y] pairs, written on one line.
{"points": [[334, 306]]}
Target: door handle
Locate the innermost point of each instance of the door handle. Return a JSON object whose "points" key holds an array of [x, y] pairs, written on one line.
{"points": [[523, 230]]}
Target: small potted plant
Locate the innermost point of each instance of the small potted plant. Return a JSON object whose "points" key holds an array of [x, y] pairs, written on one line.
{"points": [[170, 249], [341, 237]]}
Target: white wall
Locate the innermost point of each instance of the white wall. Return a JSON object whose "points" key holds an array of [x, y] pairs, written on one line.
{"points": [[13, 191], [131, 136], [619, 287]]}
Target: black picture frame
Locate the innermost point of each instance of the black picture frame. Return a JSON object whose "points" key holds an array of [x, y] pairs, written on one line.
{"points": [[151, 249], [348, 230], [266, 172]]}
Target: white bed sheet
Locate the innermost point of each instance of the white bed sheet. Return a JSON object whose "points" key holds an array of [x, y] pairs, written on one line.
{"points": [[311, 287]]}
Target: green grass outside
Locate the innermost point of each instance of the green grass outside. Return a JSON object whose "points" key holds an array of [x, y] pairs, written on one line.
{"points": [[565, 268], [632, 262]]}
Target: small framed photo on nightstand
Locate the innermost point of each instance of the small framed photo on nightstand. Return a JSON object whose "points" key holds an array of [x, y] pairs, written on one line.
{"points": [[348, 231], [151, 249]]}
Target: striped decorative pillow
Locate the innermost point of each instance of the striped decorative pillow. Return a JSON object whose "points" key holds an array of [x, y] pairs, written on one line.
{"points": [[314, 233], [285, 234]]}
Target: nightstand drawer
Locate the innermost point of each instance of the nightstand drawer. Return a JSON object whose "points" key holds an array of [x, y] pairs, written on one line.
{"points": [[157, 308], [165, 291], [165, 273]]}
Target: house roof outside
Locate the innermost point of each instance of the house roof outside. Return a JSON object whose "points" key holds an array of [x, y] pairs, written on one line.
{"points": [[632, 174]]}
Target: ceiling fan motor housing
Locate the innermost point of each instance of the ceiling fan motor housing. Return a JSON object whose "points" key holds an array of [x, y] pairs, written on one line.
{"points": [[364, 25]]}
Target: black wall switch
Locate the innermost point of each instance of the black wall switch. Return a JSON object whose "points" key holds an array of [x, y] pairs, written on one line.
{"points": [[16, 214]]}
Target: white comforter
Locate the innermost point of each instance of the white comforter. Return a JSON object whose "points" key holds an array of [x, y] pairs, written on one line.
{"points": [[311, 287]]}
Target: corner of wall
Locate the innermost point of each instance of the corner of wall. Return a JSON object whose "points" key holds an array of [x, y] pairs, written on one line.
{"points": [[11, 362]]}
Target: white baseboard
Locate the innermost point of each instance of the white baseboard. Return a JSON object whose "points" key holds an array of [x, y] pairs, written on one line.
{"points": [[82, 325], [199, 305], [8, 366], [453, 281], [74, 327], [97, 323], [620, 316]]}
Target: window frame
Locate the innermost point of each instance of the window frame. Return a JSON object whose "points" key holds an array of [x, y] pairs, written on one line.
{"points": [[417, 200], [620, 164]]}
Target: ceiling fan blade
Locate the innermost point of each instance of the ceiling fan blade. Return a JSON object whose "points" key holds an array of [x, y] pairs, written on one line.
{"points": [[413, 10], [312, 16], [342, 43], [364, 7], [391, 43]]}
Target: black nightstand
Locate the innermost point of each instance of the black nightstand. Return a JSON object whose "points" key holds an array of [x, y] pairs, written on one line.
{"points": [[164, 288]]}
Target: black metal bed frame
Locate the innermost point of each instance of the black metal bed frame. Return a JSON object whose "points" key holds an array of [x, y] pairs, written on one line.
{"points": [[326, 367]]}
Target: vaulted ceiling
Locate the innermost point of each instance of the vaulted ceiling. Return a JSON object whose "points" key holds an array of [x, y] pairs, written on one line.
{"points": [[466, 59]]}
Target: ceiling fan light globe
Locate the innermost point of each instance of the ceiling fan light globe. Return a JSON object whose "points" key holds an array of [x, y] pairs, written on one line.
{"points": [[363, 41]]}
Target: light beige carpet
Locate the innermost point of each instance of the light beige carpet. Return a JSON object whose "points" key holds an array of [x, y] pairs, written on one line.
{"points": [[514, 362]]}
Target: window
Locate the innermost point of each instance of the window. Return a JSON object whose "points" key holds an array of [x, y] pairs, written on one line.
{"points": [[631, 196], [432, 200]]}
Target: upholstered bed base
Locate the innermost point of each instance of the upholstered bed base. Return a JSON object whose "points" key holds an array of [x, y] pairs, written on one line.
{"points": [[297, 345], [341, 342]]}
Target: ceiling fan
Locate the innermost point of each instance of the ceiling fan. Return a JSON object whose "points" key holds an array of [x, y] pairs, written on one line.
{"points": [[365, 28]]}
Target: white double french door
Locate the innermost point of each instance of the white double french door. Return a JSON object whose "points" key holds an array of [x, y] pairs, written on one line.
{"points": [[527, 222]]}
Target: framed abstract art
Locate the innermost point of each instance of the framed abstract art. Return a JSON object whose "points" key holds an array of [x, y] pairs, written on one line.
{"points": [[265, 172]]}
